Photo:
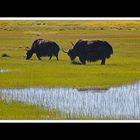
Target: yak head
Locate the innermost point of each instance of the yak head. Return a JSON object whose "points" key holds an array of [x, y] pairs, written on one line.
{"points": [[71, 53], [29, 53]]}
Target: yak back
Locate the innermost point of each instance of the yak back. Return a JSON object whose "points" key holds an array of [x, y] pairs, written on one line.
{"points": [[45, 47], [93, 50]]}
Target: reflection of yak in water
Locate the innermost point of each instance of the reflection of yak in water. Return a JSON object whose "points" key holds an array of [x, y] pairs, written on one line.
{"points": [[43, 48], [90, 51]]}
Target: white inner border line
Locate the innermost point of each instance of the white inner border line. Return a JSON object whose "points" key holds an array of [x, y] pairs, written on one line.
{"points": [[70, 18], [69, 121]]}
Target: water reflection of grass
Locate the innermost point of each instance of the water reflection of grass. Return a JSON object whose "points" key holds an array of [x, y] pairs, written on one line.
{"points": [[20, 111], [116, 103]]}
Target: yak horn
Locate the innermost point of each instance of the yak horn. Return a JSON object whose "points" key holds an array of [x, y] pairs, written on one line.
{"points": [[27, 48], [64, 51], [72, 44]]}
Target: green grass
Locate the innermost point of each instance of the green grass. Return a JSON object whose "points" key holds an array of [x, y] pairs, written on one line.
{"points": [[122, 68], [20, 111]]}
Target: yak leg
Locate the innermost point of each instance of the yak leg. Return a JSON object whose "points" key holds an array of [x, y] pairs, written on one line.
{"points": [[50, 57], [103, 61], [38, 56], [57, 57], [82, 60]]}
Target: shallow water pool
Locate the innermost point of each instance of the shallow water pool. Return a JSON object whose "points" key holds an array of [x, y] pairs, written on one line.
{"points": [[118, 103]]}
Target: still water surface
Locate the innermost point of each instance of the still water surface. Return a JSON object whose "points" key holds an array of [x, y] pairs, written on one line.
{"points": [[119, 102]]}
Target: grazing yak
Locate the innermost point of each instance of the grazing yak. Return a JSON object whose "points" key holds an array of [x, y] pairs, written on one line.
{"points": [[43, 48], [90, 51]]}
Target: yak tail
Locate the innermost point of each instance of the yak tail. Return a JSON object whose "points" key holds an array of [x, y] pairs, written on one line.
{"points": [[111, 50]]}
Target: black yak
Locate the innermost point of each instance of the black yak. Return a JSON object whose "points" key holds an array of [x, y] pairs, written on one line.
{"points": [[90, 51], [43, 48]]}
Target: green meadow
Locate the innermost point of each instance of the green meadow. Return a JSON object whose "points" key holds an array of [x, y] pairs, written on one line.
{"points": [[122, 68]]}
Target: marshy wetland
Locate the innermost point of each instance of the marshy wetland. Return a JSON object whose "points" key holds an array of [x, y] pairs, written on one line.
{"points": [[61, 89], [118, 103]]}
